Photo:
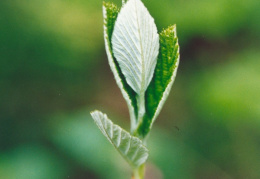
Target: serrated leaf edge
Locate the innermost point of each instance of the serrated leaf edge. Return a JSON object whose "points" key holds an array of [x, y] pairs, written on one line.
{"points": [[169, 86]]}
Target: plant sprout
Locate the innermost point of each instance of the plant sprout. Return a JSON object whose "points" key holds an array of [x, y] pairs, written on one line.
{"points": [[144, 64]]}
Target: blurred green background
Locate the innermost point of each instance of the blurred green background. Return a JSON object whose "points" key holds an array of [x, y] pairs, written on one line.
{"points": [[54, 71]]}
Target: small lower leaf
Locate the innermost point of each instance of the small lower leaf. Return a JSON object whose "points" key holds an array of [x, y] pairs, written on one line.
{"points": [[130, 147]]}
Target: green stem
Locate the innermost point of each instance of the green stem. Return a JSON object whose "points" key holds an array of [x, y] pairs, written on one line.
{"points": [[141, 106], [139, 172], [141, 112]]}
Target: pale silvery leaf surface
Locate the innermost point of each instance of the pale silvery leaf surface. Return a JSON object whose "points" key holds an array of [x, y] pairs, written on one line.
{"points": [[110, 12], [130, 147], [135, 44], [164, 76]]}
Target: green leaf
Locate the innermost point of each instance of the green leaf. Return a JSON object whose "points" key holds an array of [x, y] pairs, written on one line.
{"points": [[130, 147], [110, 12], [164, 75]]}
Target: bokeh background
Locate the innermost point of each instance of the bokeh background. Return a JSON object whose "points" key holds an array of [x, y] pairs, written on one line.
{"points": [[54, 71]]}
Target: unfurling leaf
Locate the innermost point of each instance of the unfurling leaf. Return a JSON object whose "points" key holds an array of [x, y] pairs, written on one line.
{"points": [[132, 47], [135, 44], [110, 12], [164, 75], [130, 147]]}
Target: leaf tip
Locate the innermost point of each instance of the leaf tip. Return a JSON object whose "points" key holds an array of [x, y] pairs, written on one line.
{"points": [[94, 111]]}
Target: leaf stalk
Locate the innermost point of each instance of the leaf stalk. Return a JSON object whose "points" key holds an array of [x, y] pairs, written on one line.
{"points": [[139, 172]]}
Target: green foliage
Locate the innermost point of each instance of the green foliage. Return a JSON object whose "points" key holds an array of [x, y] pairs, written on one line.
{"points": [[53, 70], [144, 78], [163, 78], [109, 22]]}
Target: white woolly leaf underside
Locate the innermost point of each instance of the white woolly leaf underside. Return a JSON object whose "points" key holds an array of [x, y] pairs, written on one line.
{"points": [[130, 147], [113, 69], [135, 43]]}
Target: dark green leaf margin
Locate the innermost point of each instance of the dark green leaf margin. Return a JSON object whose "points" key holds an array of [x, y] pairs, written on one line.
{"points": [[111, 11], [164, 75]]}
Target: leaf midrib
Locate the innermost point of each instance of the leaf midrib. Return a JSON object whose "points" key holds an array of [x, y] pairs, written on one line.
{"points": [[117, 148], [142, 55]]}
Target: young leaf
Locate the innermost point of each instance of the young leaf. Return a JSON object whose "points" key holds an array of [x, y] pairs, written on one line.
{"points": [[110, 12], [136, 44], [164, 75], [130, 147]]}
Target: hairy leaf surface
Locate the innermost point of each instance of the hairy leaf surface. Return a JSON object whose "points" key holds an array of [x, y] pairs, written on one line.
{"points": [[130, 147], [110, 13], [135, 44], [164, 75]]}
